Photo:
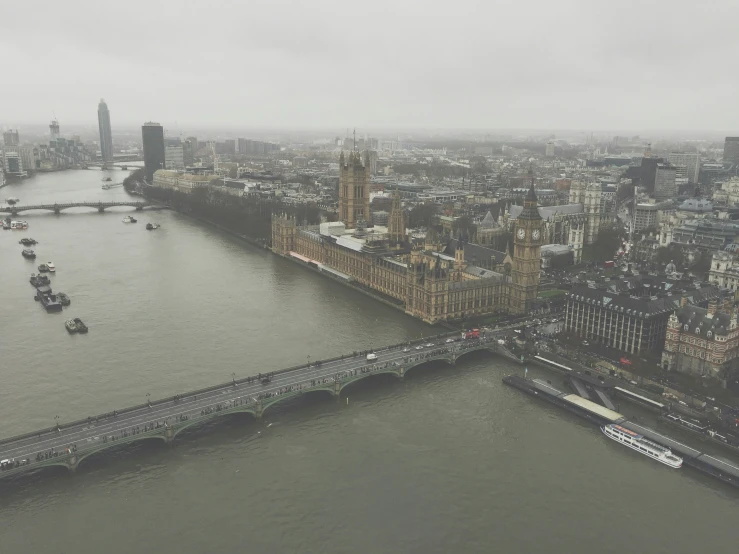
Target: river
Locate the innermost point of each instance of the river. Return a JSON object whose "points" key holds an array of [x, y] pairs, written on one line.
{"points": [[447, 460]]}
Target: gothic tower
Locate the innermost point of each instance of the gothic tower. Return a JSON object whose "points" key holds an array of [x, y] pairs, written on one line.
{"points": [[283, 234], [354, 189], [396, 223], [593, 194], [527, 239]]}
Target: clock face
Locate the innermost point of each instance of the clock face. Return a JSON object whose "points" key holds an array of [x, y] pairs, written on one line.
{"points": [[536, 234], [521, 233]]}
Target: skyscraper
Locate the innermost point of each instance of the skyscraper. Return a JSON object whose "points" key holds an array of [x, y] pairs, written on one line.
{"points": [[106, 137], [54, 130], [11, 138], [664, 183], [152, 135], [731, 150], [687, 164]]}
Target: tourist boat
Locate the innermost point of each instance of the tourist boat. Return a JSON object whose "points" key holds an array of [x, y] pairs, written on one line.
{"points": [[19, 225], [49, 302], [81, 327], [152, 226], [129, 219], [638, 442], [43, 268], [12, 200], [71, 326], [39, 280], [63, 299], [28, 253], [51, 266], [27, 241]]}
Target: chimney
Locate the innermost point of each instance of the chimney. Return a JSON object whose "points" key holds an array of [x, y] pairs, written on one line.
{"points": [[713, 306]]}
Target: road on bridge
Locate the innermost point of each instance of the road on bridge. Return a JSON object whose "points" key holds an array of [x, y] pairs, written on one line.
{"points": [[95, 432]]}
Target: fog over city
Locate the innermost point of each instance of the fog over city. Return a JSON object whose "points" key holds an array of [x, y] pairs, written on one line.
{"points": [[571, 64]]}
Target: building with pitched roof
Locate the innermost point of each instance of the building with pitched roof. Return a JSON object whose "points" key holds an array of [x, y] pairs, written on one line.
{"points": [[631, 313], [431, 279], [703, 341]]}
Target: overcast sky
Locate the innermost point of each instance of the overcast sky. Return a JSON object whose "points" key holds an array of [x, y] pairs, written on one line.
{"points": [[489, 64]]}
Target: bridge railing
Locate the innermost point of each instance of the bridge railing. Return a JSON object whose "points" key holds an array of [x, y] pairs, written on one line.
{"points": [[221, 386]]}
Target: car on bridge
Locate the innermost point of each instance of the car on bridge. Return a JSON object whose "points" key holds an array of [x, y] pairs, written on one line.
{"points": [[371, 356]]}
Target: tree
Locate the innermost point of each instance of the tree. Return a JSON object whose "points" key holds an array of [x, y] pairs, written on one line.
{"points": [[131, 182], [702, 265], [464, 226], [422, 215], [672, 253], [608, 242]]}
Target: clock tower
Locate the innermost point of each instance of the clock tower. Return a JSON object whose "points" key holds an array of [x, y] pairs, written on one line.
{"points": [[527, 238]]}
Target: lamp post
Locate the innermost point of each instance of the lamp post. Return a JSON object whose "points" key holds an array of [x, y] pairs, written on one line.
{"points": [[148, 402], [233, 378], [56, 422], [308, 360]]}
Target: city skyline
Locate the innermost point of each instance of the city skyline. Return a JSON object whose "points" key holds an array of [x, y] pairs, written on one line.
{"points": [[574, 65]]}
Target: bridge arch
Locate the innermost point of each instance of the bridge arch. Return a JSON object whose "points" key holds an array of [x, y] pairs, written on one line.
{"points": [[395, 372], [84, 455], [475, 349], [274, 400], [442, 358], [215, 415]]}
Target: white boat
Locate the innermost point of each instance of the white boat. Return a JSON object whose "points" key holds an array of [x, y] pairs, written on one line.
{"points": [[638, 442], [19, 225], [129, 219], [51, 266]]}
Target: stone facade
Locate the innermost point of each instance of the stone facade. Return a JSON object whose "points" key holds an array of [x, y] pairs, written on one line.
{"points": [[426, 279], [354, 189], [703, 341]]}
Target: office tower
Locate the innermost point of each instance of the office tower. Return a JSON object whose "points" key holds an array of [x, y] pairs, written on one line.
{"points": [[687, 165], [174, 157], [731, 150], [550, 149], [152, 135], [188, 152], [11, 138], [664, 183], [106, 137], [54, 130], [648, 172]]}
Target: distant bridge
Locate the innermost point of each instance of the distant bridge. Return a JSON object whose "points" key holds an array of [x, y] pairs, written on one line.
{"points": [[68, 444], [99, 206]]}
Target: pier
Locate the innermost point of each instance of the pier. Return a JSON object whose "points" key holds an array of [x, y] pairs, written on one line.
{"points": [[715, 467], [67, 444]]}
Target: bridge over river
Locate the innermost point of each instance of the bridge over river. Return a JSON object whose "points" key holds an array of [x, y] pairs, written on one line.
{"points": [[99, 206], [68, 444]]}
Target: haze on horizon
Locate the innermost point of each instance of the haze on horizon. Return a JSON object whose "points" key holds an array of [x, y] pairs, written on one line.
{"points": [[494, 64]]}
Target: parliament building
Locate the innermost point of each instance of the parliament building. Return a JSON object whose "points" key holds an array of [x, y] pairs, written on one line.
{"points": [[431, 279]]}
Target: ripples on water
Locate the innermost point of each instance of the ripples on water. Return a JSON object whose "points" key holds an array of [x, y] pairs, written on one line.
{"points": [[447, 460]]}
